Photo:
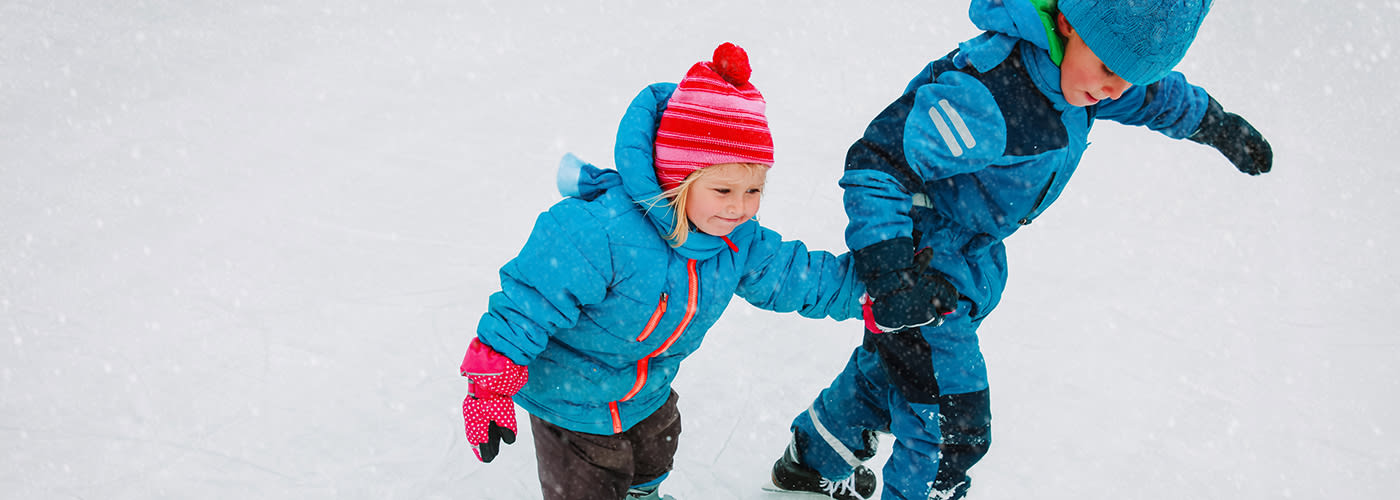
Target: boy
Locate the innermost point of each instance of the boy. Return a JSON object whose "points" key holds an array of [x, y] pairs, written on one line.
{"points": [[981, 142]]}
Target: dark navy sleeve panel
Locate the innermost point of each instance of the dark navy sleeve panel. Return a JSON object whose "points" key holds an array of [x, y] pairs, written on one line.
{"points": [[565, 263], [1171, 106], [882, 146]]}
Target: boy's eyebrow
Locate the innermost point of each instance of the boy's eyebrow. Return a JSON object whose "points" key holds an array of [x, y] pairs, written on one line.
{"points": [[1106, 70]]}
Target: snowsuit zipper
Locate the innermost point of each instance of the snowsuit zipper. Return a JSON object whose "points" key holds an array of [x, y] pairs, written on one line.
{"points": [[1026, 221]]}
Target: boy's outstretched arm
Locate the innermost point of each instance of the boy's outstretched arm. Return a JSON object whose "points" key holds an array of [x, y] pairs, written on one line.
{"points": [[1234, 137], [1171, 106]]}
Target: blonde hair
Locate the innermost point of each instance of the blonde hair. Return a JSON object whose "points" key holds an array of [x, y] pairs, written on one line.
{"points": [[677, 197]]}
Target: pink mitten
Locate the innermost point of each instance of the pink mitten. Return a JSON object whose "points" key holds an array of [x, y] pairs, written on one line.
{"points": [[488, 410]]}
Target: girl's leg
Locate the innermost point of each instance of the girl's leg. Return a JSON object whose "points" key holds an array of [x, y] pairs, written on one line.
{"points": [[654, 442], [576, 465]]}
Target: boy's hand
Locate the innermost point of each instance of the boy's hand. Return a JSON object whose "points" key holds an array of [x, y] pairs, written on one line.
{"points": [[1235, 138], [901, 293], [488, 410]]}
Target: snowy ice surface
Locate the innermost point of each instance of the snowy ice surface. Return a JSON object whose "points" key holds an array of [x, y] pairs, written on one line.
{"points": [[243, 246]]}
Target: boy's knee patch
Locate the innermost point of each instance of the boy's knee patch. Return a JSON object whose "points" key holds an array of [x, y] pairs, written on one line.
{"points": [[966, 419]]}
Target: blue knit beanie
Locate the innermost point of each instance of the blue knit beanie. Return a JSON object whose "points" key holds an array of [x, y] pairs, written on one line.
{"points": [[1140, 40]]}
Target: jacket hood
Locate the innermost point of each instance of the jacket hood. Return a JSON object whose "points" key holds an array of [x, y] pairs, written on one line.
{"points": [[1007, 22], [636, 174]]}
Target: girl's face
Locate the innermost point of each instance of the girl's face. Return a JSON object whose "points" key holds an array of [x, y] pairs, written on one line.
{"points": [[726, 196], [1084, 79]]}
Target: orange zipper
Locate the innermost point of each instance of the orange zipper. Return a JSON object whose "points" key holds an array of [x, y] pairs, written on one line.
{"points": [[655, 318], [690, 306]]}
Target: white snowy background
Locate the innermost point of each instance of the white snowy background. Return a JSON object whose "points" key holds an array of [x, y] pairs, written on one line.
{"points": [[243, 246]]}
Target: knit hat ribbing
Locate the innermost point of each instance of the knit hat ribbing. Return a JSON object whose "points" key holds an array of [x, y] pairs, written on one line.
{"points": [[1140, 40], [715, 116]]}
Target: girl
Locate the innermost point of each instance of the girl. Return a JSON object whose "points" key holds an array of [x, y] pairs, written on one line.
{"points": [[619, 282]]}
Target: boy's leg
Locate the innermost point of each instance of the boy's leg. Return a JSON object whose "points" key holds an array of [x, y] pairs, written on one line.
{"points": [[966, 423], [654, 442], [939, 441], [939, 408], [836, 433], [576, 465]]}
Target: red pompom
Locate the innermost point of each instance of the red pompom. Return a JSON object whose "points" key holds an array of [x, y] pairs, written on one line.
{"points": [[732, 63]]}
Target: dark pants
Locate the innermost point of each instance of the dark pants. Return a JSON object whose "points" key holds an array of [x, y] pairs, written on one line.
{"points": [[577, 465]]}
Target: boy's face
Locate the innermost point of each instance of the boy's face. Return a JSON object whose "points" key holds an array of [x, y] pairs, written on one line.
{"points": [[1084, 79], [726, 196]]}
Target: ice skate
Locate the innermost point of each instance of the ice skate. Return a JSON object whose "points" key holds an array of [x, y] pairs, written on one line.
{"points": [[790, 476]]}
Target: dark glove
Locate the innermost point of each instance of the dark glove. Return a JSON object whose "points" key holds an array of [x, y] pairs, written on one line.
{"points": [[488, 410], [1235, 138], [901, 292]]}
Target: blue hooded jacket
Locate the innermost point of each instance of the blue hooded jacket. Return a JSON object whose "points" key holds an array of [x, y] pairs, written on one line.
{"points": [[982, 142], [602, 309]]}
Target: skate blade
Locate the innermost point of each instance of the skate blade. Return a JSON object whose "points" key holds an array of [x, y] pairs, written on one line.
{"points": [[775, 492]]}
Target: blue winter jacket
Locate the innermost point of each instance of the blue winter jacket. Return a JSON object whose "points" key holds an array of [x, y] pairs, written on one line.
{"points": [[981, 143], [602, 309]]}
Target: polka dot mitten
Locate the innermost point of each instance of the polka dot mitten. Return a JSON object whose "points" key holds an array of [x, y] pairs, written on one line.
{"points": [[488, 410]]}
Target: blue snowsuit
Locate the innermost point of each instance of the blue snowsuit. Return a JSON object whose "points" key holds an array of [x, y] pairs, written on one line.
{"points": [[602, 309], [981, 142]]}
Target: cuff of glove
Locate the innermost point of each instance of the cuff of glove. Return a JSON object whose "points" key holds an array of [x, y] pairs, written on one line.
{"points": [[883, 266], [868, 315], [481, 359], [1212, 126], [491, 373]]}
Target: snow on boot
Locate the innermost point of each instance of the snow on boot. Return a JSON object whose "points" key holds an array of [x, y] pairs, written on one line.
{"points": [[790, 475]]}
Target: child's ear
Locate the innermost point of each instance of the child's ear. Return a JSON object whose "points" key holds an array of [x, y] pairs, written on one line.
{"points": [[1062, 25]]}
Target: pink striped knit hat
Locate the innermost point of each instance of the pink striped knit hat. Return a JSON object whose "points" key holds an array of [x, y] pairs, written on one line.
{"points": [[715, 116]]}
